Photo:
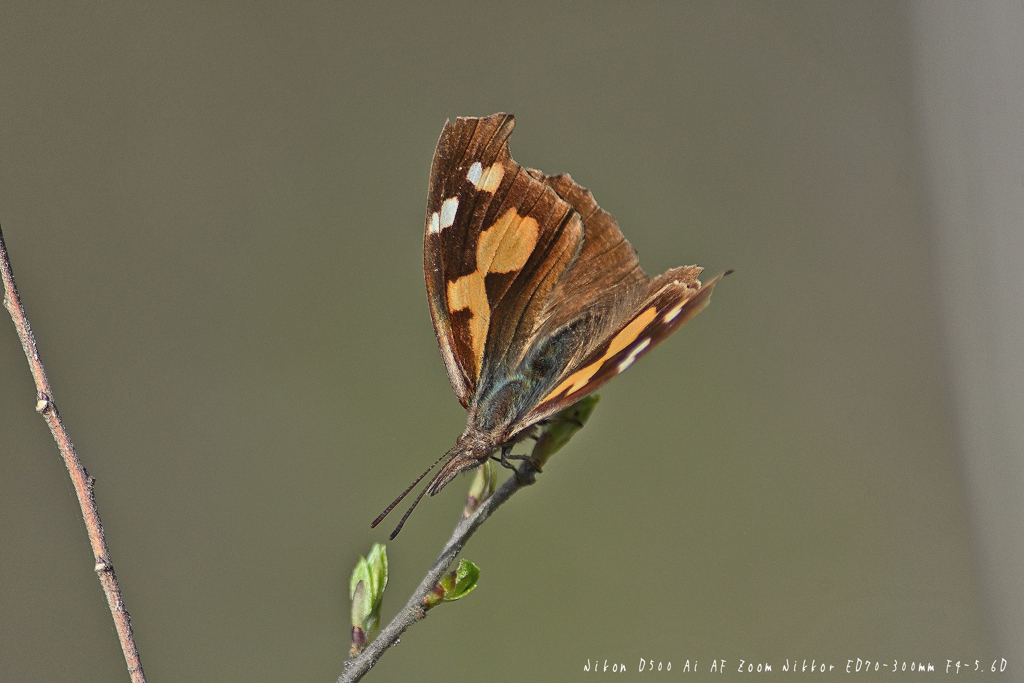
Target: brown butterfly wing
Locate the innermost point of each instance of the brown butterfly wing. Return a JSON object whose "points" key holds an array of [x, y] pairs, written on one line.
{"points": [[607, 267], [628, 312], [673, 298], [605, 280], [497, 242], [456, 141]]}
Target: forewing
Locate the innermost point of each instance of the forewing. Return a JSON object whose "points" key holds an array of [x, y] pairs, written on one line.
{"points": [[674, 298], [497, 241]]}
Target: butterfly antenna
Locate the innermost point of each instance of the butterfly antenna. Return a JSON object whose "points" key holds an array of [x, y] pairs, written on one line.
{"points": [[398, 500], [409, 511]]}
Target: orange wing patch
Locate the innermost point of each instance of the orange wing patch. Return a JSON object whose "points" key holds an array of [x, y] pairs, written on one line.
{"points": [[503, 248], [624, 338]]}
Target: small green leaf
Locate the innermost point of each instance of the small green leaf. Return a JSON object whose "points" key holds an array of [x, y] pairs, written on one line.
{"points": [[482, 488], [465, 580], [366, 590], [453, 585], [563, 426]]}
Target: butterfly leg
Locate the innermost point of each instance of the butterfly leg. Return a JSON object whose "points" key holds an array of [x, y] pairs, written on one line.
{"points": [[506, 458]]}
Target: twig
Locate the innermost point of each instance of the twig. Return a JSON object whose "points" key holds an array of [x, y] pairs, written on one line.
{"points": [[413, 611], [81, 479]]}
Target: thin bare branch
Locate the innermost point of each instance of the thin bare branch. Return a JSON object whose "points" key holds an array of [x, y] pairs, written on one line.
{"points": [[413, 611], [46, 407]]}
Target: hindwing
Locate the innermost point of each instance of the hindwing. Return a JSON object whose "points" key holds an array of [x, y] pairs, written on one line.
{"points": [[673, 299]]}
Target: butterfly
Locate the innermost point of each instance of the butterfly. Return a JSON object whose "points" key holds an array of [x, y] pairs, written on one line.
{"points": [[536, 297]]}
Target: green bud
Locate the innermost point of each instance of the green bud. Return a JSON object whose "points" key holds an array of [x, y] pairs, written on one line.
{"points": [[482, 487], [454, 585], [366, 590], [563, 426]]}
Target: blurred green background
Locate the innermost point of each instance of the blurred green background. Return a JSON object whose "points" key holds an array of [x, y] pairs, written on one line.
{"points": [[215, 217]]}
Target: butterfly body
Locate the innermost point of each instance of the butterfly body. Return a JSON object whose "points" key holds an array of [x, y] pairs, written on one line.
{"points": [[536, 297]]}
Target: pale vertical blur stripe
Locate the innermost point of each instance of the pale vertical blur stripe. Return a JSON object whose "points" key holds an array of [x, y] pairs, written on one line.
{"points": [[969, 78]]}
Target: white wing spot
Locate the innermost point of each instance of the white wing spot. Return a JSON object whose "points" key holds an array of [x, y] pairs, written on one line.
{"points": [[474, 173], [435, 225], [485, 179], [633, 354], [448, 209], [671, 315]]}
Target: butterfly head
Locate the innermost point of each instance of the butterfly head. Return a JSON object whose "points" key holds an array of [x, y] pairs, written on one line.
{"points": [[470, 451]]}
